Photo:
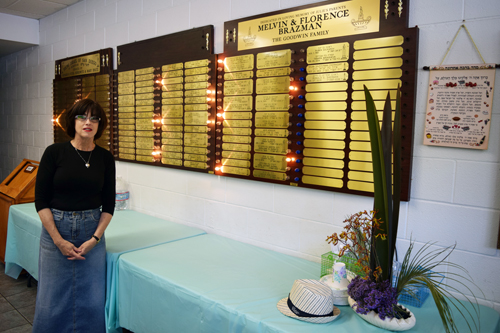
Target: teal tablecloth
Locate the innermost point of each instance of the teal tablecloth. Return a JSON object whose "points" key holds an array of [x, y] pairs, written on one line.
{"points": [[214, 284], [128, 231]]}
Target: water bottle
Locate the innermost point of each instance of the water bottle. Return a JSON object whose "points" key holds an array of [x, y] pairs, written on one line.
{"points": [[122, 195]]}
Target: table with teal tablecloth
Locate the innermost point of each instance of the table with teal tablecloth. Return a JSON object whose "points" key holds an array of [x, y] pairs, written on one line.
{"points": [[214, 284], [128, 231]]}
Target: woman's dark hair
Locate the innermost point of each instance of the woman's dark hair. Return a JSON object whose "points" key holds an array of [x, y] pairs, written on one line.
{"points": [[82, 107]]}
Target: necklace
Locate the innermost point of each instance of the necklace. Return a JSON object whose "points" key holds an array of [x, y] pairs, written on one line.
{"points": [[87, 164]]}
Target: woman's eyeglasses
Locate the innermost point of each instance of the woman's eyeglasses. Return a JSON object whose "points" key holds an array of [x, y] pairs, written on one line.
{"points": [[83, 117]]}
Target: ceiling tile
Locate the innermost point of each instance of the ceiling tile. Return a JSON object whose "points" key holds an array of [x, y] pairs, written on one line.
{"points": [[38, 7], [19, 13], [63, 2], [6, 3]]}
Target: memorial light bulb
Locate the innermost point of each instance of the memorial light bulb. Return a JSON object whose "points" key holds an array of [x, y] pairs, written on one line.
{"points": [[292, 88], [208, 99], [217, 168], [288, 159], [219, 114], [293, 159]]}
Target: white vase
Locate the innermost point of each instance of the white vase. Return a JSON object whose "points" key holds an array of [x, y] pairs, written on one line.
{"points": [[388, 324]]}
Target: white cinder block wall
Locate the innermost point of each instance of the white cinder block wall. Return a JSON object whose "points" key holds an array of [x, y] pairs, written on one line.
{"points": [[455, 192]]}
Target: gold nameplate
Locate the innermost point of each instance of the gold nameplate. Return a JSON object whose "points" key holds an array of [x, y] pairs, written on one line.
{"points": [[197, 78], [144, 96], [196, 129], [102, 96], [327, 77], [235, 171], [142, 71], [236, 163], [102, 88], [172, 135], [235, 146], [326, 68], [378, 84], [236, 131], [361, 166], [126, 100], [237, 115], [377, 63], [360, 186], [195, 157], [363, 176], [176, 149], [193, 93], [361, 115], [314, 23], [326, 115], [195, 139], [360, 145], [145, 134], [236, 139], [376, 95], [126, 127], [197, 63], [170, 161], [284, 71], [127, 156], [330, 86], [174, 113], [238, 103], [101, 80], [195, 100], [237, 123], [196, 85], [324, 163], [144, 108], [196, 150], [172, 87], [172, 80], [340, 106], [378, 42], [273, 85], [127, 145], [127, 138], [195, 107], [196, 118], [172, 142], [144, 127], [327, 53], [177, 156], [176, 100], [281, 58], [146, 145], [269, 162], [279, 102], [90, 95], [196, 71], [176, 73], [145, 84], [144, 158], [172, 67], [174, 121], [329, 182], [325, 125], [126, 121], [124, 115], [239, 63], [238, 75], [88, 81], [236, 154], [144, 140], [271, 145], [323, 153], [172, 128], [144, 90], [378, 53], [360, 156], [144, 77], [145, 102], [172, 94], [238, 87], [269, 175], [394, 73], [271, 132], [83, 65], [195, 165], [326, 96], [361, 106], [325, 144], [145, 115], [272, 119]]}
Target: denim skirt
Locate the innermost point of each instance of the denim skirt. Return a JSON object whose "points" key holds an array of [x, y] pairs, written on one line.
{"points": [[71, 293]]}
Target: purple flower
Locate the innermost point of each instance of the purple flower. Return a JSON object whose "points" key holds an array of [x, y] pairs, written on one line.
{"points": [[371, 296]]}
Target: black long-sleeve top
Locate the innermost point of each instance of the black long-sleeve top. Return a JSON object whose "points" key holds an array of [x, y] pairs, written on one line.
{"points": [[64, 182]]}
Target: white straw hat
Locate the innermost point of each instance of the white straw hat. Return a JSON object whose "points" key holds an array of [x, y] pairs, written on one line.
{"points": [[309, 300]]}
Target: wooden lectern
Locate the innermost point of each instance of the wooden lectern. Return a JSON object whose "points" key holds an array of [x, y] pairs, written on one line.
{"points": [[18, 187]]}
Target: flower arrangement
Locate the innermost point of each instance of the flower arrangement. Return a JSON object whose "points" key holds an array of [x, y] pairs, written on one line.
{"points": [[371, 238]]}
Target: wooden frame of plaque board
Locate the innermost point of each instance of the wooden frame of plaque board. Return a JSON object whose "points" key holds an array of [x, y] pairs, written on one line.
{"points": [[165, 107], [87, 75], [314, 133]]}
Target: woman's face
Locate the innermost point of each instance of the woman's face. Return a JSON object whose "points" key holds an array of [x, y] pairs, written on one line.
{"points": [[86, 126]]}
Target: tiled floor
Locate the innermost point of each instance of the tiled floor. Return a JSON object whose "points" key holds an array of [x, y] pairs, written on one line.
{"points": [[17, 303]]}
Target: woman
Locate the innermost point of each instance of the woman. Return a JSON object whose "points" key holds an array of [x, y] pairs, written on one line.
{"points": [[75, 180]]}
